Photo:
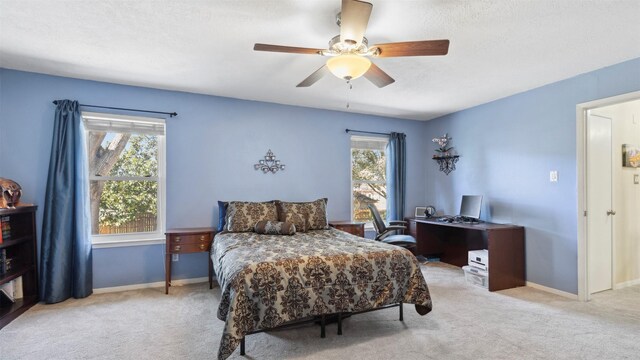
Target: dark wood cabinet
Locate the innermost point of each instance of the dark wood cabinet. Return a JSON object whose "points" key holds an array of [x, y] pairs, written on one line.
{"points": [[19, 245], [452, 242], [355, 228], [187, 241]]}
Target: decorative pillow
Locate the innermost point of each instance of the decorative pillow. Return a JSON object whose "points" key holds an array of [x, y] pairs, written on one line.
{"points": [[242, 216], [305, 215], [275, 228], [222, 214], [293, 213]]}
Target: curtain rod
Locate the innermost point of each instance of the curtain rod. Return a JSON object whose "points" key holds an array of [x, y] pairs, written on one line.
{"points": [[366, 132], [171, 114]]}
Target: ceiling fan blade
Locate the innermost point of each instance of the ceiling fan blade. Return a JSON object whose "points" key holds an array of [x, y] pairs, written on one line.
{"points": [[317, 75], [286, 49], [378, 77], [353, 20], [413, 48]]}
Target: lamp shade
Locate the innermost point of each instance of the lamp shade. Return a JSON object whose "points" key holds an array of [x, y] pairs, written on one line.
{"points": [[348, 66]]}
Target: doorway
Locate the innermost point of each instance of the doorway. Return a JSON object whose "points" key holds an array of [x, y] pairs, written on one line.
{"points": [[608, 198]]}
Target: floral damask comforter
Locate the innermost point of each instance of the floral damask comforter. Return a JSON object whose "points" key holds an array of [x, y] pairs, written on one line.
{"points": [[268, 280]]}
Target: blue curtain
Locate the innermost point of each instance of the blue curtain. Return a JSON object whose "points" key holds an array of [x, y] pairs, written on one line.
{"points": [[396, 175], [66, 267]]}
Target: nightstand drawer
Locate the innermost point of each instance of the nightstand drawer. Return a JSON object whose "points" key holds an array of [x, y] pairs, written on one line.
{"points": [[189, 248], [179, 239]]}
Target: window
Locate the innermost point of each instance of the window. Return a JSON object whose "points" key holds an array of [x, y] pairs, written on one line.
{"points": [[368, 177], [126, 178]]}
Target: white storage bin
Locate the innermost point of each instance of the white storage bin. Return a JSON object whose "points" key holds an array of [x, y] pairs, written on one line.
{"points": [[479, 259], [475, 277]]}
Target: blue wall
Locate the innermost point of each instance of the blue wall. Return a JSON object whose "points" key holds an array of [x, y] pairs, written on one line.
{"points": [[507, 149], [211, 148]]}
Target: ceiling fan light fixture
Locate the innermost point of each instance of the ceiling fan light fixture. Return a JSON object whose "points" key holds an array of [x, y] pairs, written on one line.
{"points": [[348, 66]]}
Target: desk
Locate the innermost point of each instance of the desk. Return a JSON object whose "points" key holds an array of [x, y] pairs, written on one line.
{"points": [[452, 243]]}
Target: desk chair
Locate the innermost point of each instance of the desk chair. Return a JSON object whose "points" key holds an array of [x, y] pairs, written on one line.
{"points": [[387, 234]]}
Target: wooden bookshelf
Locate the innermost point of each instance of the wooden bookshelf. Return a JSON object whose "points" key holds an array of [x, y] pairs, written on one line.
{"points": [[11, 242], [20, 245]]}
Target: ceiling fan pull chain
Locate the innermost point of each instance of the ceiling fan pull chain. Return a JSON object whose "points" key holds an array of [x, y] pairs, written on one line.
{"points": [[350, 87]]}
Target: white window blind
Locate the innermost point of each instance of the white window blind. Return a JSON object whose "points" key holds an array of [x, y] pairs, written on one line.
{"points": [[118, 124], [368, 143]]}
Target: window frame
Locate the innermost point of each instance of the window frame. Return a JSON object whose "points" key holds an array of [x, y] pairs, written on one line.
{"points": [[369, 224], [140, 238]]}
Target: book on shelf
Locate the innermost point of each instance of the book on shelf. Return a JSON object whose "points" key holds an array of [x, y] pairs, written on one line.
{"points": [[5, 224], [12, 290], [3, 259], [17, 288], [8, 290], [6, 263]]}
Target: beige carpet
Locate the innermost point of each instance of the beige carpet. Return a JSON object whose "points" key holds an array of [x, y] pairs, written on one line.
{"points": [[467, 323]]}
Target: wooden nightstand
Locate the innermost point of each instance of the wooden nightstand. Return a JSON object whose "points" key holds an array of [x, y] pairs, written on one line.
{"points": [[355, 228], [186, 241]]}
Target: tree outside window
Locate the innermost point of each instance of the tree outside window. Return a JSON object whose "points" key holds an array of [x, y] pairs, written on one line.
{"points": [[124, 182]]}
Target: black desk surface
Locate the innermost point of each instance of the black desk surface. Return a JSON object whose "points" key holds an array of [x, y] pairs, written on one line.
{"points": [[473, 226]]}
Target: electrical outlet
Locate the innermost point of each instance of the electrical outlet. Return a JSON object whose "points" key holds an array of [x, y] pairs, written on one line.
{"points": [[636, 179], [553, 175], [175, 257]]}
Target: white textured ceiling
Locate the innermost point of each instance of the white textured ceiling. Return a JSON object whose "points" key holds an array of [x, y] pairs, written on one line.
{"points": [[498, 47]]}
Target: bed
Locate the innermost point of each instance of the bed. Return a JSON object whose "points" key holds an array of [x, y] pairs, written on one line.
{"points": [[271, 280]]}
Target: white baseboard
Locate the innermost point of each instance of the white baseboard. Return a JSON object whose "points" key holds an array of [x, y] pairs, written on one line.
{"points": [[552, 290], [626, 284], [177, 282]]}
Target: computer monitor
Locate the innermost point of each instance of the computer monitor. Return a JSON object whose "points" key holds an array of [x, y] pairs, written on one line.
{"points": [[470, 206]]}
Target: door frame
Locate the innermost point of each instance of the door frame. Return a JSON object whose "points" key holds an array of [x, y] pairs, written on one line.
{"points": [[581, 161]]}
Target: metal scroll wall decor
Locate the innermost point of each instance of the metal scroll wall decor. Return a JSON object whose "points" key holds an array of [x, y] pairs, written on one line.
{"points": [[445, 155], [269, 164]]}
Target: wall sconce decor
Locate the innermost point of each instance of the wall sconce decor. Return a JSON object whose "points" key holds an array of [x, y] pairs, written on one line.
{"points": [[444, 155], [269, 164]]}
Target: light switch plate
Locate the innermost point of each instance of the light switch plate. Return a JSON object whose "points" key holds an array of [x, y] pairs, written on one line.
{"points": [[175, 257], [636, 179], [553, 175]]}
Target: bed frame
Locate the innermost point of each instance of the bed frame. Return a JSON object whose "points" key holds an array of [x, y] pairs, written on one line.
{"points": [[323, 321]]}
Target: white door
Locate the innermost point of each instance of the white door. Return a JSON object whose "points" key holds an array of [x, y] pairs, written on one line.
{"points": [[599, 203]]}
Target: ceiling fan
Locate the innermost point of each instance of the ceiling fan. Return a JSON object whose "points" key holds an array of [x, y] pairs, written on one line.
{"points": [[349, 52]]}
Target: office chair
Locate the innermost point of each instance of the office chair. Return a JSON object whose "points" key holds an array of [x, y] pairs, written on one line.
{"points": [[386, 234]]}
